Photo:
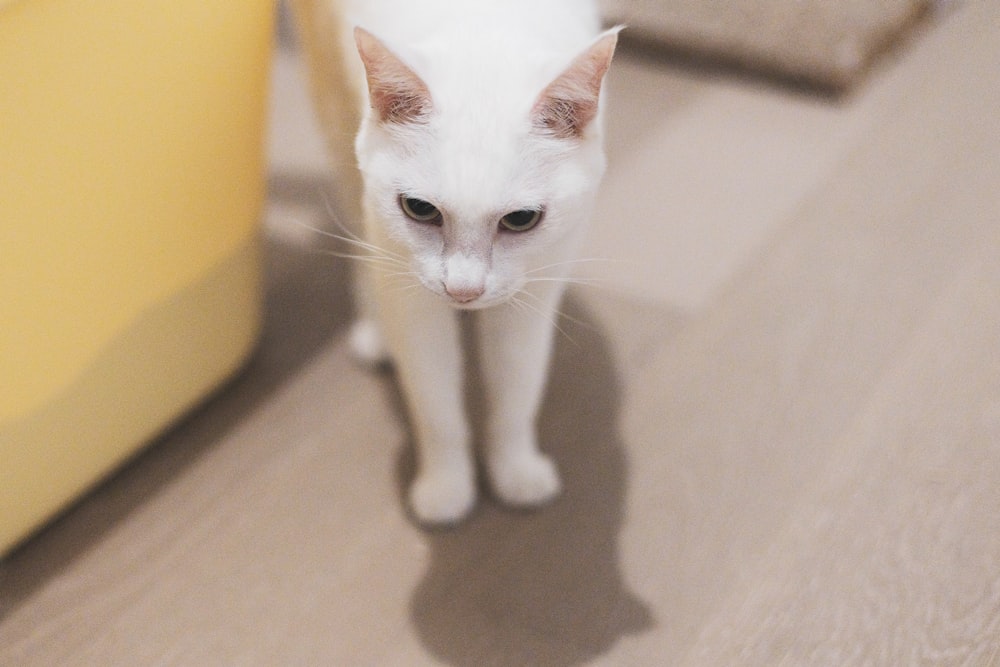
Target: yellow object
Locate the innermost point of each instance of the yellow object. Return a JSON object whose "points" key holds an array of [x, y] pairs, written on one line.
{"points": [[131, 183]]}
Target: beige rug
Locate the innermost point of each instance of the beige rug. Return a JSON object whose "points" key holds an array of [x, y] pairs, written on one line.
{"points": [[826, 43]]}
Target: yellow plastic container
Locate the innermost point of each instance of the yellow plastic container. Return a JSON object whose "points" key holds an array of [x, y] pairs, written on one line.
{"points": [[131, 185]]}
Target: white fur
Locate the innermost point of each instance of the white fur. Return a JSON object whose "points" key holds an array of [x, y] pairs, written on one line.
{"points": [[477, 157]]}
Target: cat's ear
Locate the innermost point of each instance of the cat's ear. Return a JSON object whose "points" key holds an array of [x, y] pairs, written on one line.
{"points": [[568, 104], [396, 93]]}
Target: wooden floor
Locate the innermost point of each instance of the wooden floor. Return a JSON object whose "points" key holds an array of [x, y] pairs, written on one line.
{"points": [[778, 419]]}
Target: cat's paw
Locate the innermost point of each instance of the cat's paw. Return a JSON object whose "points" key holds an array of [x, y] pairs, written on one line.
{"points": [[526, 478], [441, 497], [367, 345]]}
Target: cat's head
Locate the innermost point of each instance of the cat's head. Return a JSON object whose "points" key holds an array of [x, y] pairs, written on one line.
{"points": [[481, 179]]}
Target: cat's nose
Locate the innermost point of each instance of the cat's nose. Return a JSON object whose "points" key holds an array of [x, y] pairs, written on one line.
{"points": [[464, 293], [465, 278]]}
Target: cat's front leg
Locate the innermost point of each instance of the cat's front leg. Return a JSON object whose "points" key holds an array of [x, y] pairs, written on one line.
{"points": [[516, 343], [423, 337], [367, 343]]}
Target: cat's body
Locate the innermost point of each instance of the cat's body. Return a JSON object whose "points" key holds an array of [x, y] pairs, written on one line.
{"points": [[479, 147]]}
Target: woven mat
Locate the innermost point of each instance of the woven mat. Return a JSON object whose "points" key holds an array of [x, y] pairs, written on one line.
{"points": [[826, 43]]}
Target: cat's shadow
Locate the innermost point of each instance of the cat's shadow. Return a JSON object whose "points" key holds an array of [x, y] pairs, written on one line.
{"points": [[543, 587]]}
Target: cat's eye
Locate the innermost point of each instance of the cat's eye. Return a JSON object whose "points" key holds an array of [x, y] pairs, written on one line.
{"points": [[419, 210], [521, 221]]}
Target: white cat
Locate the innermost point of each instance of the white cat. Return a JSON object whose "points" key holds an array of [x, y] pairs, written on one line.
{"points": [[479, 146]]}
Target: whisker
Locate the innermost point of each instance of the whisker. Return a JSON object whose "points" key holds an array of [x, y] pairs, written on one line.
{"points": [[312, 228], [372, 260], [354, 238], [560, 313], [409, 286], [530, 307], [570, 262], [331, 211], [586, 282], [351, 238], [365, 245]]}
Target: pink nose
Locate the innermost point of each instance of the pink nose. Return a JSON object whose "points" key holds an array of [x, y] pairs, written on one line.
{"points": [[464, 293], [464, 277]]}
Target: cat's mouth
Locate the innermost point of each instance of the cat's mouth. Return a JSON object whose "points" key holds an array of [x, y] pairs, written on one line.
{"points": [[468, 297], [464, 302], [478, 303]]}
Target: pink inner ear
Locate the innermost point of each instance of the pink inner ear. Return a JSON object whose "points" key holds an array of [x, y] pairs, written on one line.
{"points": [[398, 106], [396, 93], [564, 117], [568, 105]]}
